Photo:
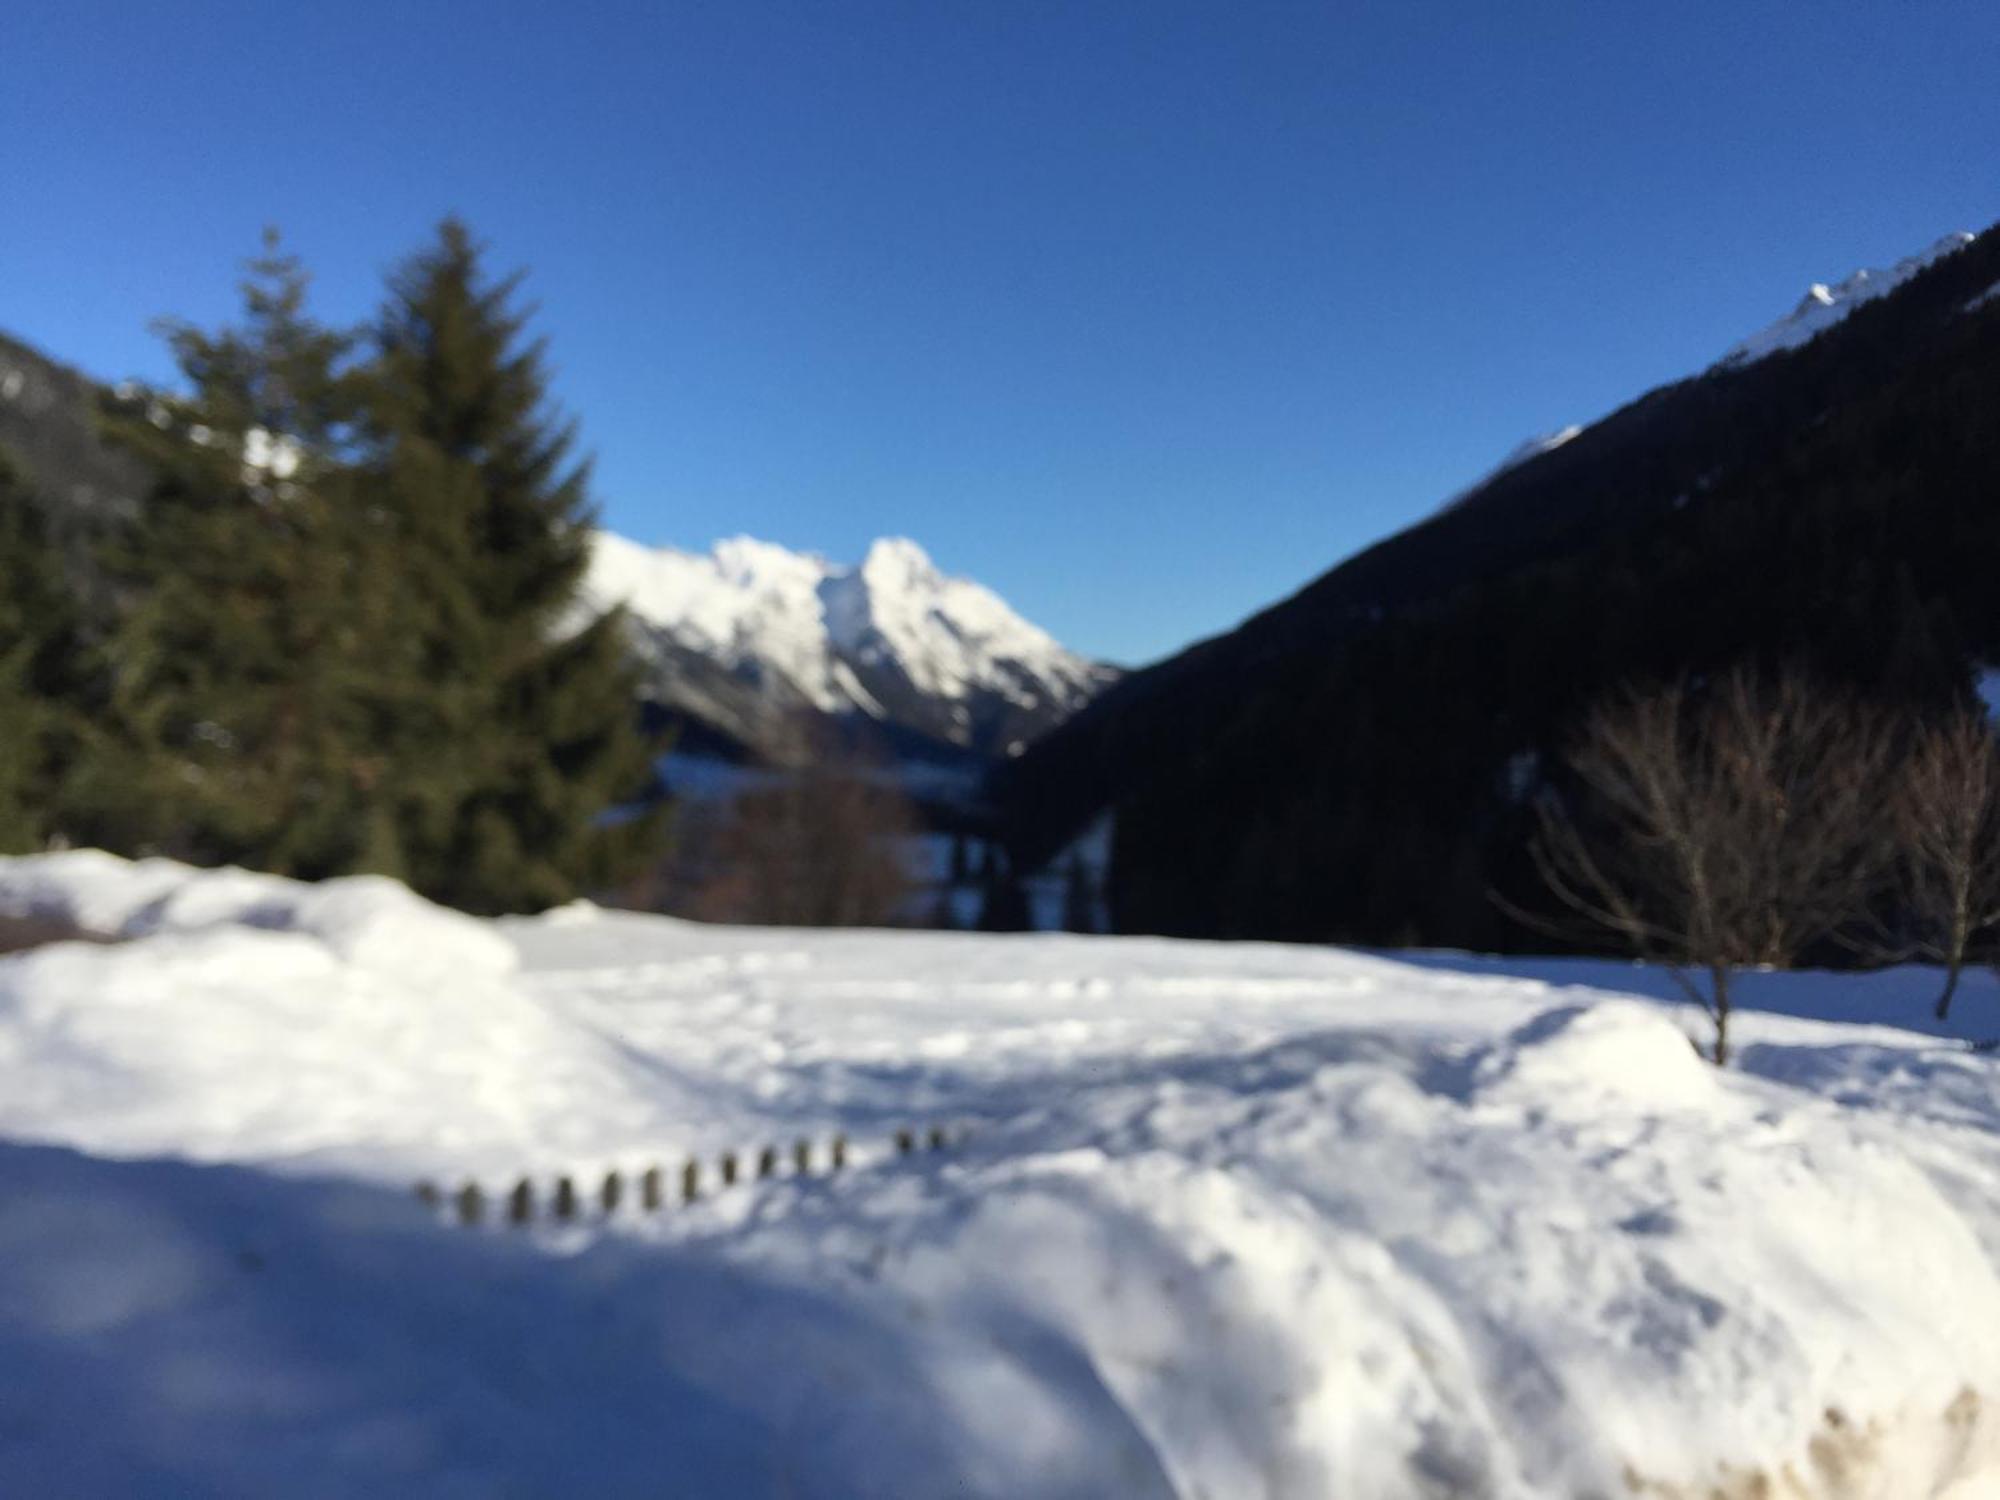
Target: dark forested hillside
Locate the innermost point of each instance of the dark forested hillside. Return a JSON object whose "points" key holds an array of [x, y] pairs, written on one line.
{"points": [[1354, 763]]}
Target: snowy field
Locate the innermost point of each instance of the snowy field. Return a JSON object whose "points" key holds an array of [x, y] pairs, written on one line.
{"points": [[1232, 1221]]}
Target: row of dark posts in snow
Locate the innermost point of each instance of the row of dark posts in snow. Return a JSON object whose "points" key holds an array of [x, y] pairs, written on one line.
{"points": [[468, 1204]]}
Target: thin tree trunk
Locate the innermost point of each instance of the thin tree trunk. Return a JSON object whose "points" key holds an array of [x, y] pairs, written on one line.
{"points": [[1954, 959], [1951, 973], [1719, 989]]}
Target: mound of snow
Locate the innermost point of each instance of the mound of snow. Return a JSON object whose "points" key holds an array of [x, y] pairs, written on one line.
{"points": [[365, 919], [1619, 1055], [349, 1025], [264, 1047]]}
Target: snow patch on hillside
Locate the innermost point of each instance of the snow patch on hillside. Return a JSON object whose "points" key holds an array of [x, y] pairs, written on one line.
{"points": [[1824, 305], [1534, 447]]}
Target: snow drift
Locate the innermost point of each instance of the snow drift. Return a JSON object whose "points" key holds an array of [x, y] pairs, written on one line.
{"points": [[1234, 1221], [364, 920]]}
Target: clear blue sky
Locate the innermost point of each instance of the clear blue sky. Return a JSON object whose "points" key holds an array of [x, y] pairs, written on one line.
{"points": [[1143, 313]]}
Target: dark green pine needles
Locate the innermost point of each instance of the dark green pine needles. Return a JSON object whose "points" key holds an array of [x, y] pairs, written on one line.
{"points": [[531, 738], [42, 669], [343, 633]]}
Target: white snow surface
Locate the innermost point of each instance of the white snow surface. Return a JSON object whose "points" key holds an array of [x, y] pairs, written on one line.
{"points": [[365, 921], [1824, 305], [1231, 1220], [750, 602]]}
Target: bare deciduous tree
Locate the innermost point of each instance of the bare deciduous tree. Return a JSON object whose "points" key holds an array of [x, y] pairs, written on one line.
{"points": [[1722, 824], [1947, 826], [823, 847]]}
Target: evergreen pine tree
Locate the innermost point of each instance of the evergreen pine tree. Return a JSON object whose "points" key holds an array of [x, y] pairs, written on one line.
{"points": [[251, 675], [40, 672], [512, 775]]}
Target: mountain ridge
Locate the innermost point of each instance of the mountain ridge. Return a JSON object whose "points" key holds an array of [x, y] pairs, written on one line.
{"points": [[1822, 307], [1342, 764], [764, 645], [1825, 305]]}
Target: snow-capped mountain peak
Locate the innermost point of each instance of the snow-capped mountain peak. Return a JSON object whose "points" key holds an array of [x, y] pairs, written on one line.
{"points": [[897, 559], [1824, 305], [951, 636], [753, 630], [1819, 309], [752, 564]]}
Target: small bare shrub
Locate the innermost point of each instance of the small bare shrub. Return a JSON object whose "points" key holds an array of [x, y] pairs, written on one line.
{"points": [[1946, 819], [822, 847], [1719, 824]]}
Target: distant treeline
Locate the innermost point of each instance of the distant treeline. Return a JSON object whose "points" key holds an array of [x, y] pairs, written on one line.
{"points": [[340, 633]]}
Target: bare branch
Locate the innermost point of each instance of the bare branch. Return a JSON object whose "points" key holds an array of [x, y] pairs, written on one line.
{"points": [[1946, 814], [1736, 822]]}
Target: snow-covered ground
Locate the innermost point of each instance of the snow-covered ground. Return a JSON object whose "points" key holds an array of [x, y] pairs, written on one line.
{"points": [[1231, 1221]]}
